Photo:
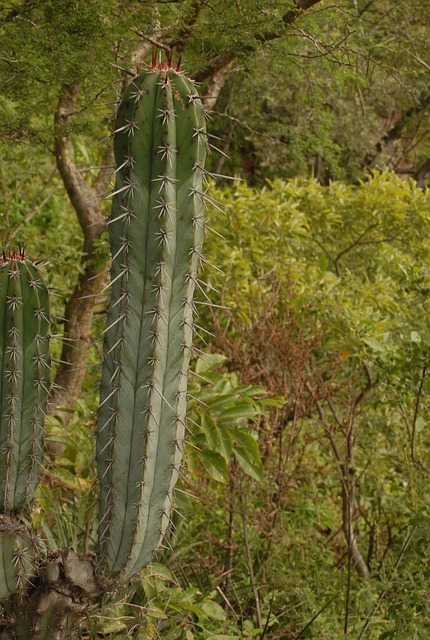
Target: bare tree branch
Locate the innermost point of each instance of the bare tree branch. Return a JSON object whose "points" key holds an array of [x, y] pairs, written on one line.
{"points": [[345, 464], [411, 426], [80, 307], [227, 56], [214, 87], [82, 196]]}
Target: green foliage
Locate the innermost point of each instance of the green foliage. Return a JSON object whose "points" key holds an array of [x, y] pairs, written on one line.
{"points": [[221, 420], [319, 282], [322, 284], [66, 506], [332, 94], [342, 93]]}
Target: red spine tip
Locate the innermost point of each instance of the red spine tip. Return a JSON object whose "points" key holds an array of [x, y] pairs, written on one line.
{"points": [[166, 66]]}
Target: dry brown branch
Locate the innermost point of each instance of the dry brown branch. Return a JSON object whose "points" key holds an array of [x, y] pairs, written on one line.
{"points": [[345, 457]]}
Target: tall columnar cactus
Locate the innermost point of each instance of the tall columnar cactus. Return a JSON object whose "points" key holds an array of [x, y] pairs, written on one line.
{"points": [[156, 235], [24, 378]]}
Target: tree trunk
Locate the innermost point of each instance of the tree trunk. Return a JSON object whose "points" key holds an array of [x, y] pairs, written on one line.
{"points": [[56, 605]]}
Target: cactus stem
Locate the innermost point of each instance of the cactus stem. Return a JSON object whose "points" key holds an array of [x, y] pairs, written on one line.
{"points": [[138, 94], [124, 296], [168, 152], [163, 237], [122, 274], [124, 247], [153, 323], [117, 371], [164, 208], [108, 443], [13, 302], [161, 268], [14, 352], [205, 197], [164, 181], [109, 420]]}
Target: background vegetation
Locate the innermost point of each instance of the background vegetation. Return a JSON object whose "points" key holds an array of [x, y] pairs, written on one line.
{"points": [[303, 510]]}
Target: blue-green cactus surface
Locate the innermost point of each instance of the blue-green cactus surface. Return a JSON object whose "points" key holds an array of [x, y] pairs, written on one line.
{"points": [[156, 235]]}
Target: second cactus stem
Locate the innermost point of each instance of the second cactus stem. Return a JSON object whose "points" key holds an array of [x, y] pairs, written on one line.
{"points": [[24, 378], [156, 235]]}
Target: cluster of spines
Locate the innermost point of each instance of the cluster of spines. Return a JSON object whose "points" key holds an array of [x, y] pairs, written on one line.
{"points": [[17, 552], [25, 377], [156, 235]]}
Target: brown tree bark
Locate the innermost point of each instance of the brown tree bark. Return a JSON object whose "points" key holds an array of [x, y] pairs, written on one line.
{"points": [[80, 307]]}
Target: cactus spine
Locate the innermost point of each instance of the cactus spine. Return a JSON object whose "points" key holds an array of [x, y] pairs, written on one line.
{"points": [[17, 566], [24, 381], [156, 235]]}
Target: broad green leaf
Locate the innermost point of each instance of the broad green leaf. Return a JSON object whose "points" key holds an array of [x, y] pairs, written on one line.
{"points": [[275, 401], [249, 465], [213, 610], [246, 450], [251, 390], [158, 570], [420, 424], [375, 344], [70, 480], [240, 411], [225, 441], [155, 612], [209, 361], [210, 430], [220, 403], [215, 465]]}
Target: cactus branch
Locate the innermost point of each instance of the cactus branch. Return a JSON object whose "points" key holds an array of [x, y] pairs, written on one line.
{"points": [[149, 327]]}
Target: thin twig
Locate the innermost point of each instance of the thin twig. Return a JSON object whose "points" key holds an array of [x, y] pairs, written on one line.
{"points": [[412, 428], [249, 562]]}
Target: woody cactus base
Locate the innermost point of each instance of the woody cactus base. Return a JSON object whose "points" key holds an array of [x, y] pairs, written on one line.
{"points": [[156, 231]]}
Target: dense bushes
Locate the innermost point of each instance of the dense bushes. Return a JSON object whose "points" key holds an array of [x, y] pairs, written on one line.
{"points": [[327, 290], [308, 435]]}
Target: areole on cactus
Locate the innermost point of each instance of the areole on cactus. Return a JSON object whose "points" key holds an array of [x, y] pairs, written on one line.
{"points": [[156, 232]]}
